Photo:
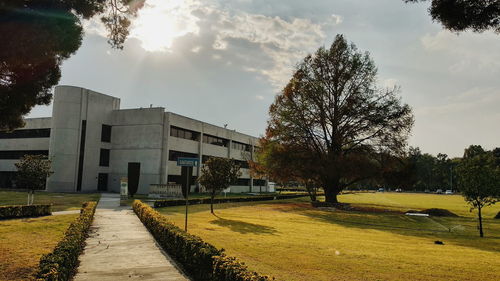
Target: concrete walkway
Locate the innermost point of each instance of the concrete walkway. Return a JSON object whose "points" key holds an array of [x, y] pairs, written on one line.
{"points": [[120, 248]]}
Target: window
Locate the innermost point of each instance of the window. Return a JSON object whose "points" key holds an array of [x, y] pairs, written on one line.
{"points": [[241, 146], [259, 182], [104, 158], [18, 154], [106, 133], [242, 164], [23, 134], [215, 140], [184, 133], [173, 155], [242, 182]]}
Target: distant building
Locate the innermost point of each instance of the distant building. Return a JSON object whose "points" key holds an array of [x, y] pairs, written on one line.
{"points": [[90, 141]]}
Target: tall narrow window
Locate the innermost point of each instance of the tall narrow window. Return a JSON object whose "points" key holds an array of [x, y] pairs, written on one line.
{"points": [[106, 133], [104, 158]]}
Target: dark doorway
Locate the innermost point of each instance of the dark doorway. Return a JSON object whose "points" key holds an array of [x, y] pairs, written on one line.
{"points": [[134, 171], [102, 182]]}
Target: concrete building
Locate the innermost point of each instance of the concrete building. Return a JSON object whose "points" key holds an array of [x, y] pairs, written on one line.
{"points": [[90, 141]]}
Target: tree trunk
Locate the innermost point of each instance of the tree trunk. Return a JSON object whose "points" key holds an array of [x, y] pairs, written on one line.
{"points": [[481, 234], [331, 191], [212, 203], [32, 197]]}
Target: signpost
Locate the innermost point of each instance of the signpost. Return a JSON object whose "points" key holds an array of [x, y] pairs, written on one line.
{"points": [[187, 165], [124, 188]]}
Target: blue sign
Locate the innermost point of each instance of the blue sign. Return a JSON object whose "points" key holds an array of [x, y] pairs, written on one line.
{"points": [[188, 162]]}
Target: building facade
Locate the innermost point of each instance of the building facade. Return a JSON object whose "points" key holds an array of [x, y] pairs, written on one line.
{"points": [[91, 141]]}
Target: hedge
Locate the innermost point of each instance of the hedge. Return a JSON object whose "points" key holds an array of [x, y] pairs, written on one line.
{"points": [[62, 262], [201, 260], [195, 201], [24, 211]]}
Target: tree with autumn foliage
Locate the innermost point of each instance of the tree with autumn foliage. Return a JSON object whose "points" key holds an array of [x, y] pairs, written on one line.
{"points": [[331, 119]]}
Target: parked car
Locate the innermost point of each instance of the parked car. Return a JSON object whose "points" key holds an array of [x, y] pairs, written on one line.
{"points": [[439, 191], [427, 191], [381, 190], [449, 191], [399, 190]]}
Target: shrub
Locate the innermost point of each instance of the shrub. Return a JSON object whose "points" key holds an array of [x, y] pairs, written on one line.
{"points": [[62, 262], [194, 201], [201, 260], [24, 211]]}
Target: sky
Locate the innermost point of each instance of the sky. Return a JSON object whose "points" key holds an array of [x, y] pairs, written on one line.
{"points": [[223, 61]]}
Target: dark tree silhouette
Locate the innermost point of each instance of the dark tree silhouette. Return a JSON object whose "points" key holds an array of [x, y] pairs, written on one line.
{"points": [[461, 15], [36, 37]]}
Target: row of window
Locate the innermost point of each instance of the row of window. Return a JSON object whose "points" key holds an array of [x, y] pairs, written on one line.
{"points": [[184, 133], [26, 133], [18, 154], [240, 182], [195, 136], [241, 146], [215, 140]]}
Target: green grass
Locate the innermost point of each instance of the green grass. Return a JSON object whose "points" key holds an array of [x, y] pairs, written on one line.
{"points": [[418, 201], [293, 241], [24, 241], [60, 201]]}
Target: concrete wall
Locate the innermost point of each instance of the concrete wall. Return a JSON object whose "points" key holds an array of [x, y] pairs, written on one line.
{"points": [[8, 165], [137, 136], [71, 106]]}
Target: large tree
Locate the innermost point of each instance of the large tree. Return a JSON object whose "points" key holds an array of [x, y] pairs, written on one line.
{"points": [[332, 118], [479, 180], [37, 36], [461, 15]]}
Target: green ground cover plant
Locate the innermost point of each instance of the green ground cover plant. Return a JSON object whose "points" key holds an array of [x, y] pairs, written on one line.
{"points": [[202, 261], [24, 211], [61, 263], [59, 201], [24, 241], [291, 240]]}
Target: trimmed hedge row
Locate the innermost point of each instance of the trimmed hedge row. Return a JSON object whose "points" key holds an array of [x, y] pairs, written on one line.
{"points": [[24, 211], [201, 260], [62, 262], [195, 201]]}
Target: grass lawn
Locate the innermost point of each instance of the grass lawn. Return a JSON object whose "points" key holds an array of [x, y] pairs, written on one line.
{"points": [[24, 241], [60, 201], [292, 241]]}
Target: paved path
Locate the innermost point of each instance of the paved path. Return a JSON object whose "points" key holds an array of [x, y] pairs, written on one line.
{"points": [[121, 248]]}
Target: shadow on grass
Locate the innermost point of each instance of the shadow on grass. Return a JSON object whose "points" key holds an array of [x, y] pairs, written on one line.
{"points": [[429, 228], [243, 227]]}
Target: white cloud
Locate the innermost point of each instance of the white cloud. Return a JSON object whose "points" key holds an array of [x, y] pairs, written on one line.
{"points": [[469, 52], [259, 97]]}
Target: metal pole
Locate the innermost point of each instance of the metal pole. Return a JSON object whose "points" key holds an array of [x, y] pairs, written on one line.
{"points": [[187, 201], [451, 177]]}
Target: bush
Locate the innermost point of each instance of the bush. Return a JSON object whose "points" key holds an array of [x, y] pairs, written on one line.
{"points": [[438, 212], [201, 260], [179, 202], [24, 211], [62, 262]]}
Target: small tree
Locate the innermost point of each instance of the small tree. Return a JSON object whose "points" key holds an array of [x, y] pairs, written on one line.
{"points": [[479, 181], [33, 171], [217, 174]]}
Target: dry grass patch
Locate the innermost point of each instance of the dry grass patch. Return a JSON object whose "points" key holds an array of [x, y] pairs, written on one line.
{"points": [[292, 241], [24, 241]]}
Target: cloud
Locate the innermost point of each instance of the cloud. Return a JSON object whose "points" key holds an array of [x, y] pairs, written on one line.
{"points": [[469, 52], [270, 46]]}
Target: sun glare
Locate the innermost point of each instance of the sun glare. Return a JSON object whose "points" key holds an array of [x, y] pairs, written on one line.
{"points": [[160, 22]]}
